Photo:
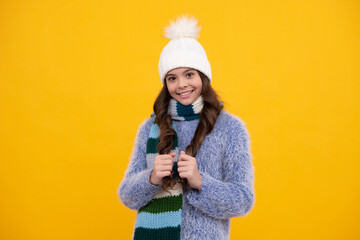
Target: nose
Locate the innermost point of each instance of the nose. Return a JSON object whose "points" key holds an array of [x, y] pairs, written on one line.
{"points": [[183, 82]]}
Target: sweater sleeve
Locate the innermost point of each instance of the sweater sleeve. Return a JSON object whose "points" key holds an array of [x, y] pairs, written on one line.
{"points": [[234, 195], [135, 190]]}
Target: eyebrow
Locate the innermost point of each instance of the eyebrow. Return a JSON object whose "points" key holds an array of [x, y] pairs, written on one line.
{"points": [[170, 74]]}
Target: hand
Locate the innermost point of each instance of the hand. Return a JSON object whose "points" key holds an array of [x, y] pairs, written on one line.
{"points": [[163, 165], [187, 168]]}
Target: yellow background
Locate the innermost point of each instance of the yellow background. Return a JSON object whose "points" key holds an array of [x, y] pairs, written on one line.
{"points": [[78, 77]]}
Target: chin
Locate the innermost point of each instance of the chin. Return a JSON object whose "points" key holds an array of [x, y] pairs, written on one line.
{"points": [[186, 102]]}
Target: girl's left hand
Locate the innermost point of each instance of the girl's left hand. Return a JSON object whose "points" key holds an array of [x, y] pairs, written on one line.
{"points": [[187, 168]]}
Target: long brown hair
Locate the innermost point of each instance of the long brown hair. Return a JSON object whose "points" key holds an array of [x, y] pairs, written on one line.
{"points": [[208, 117]]}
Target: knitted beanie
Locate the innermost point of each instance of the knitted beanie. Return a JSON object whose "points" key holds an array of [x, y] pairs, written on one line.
{"points": [[183, 50]]}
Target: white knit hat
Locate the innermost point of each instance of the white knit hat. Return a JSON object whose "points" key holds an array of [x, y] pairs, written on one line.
{"points": [[183, 50]]}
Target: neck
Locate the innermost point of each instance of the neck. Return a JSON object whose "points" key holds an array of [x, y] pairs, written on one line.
{"points": [[185, 112]]}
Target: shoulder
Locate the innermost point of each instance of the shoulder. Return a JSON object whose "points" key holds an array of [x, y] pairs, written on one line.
{"points": [[235, 131], [229, 122]]}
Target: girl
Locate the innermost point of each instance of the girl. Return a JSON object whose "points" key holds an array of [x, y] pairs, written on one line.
{"points": [[191, 167]]}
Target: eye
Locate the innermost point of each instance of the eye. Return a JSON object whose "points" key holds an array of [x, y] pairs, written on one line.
{"points": [[190, 74], [170, 78]]}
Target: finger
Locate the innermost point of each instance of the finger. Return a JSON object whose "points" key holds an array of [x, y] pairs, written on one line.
{"points": [[166, 162], [185, 157], [188, 168], [183, 163], [182, 169], [181, 156], [173, 154], [184, 174], [163, 174], [163, 168], [163, 163], [165, 157]]}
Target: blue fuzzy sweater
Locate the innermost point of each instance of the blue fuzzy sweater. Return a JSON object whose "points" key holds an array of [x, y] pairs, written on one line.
{"points": [[225, 163]]}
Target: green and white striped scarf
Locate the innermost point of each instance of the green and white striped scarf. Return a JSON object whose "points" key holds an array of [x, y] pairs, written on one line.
{"points": [[161, 217]]}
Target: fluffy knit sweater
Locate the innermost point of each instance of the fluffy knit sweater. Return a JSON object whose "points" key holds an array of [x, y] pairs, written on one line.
{"points": [[225, 163]]}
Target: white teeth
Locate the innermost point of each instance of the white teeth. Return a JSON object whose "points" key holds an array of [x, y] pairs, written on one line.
{"points": [[183, 94]]}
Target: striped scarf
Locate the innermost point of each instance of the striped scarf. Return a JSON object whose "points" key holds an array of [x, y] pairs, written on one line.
{"points": [[161, 217]]}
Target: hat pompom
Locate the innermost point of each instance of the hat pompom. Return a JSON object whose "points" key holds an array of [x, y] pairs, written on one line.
{"points": [[183, 27]]}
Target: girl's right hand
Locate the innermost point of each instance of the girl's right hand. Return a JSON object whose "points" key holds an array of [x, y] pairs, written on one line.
{"points": [[163, 165]]}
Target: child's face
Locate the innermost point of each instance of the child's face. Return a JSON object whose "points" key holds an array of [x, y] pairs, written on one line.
{"points": [[184, 84]]}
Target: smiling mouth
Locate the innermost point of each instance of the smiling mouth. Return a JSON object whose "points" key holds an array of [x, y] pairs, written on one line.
{"points": [[185, 93]]}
